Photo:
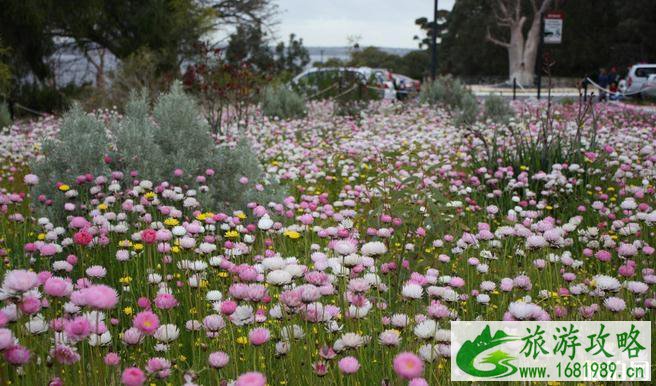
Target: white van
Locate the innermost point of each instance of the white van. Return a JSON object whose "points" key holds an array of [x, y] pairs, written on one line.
{"points": [[637, 80]]}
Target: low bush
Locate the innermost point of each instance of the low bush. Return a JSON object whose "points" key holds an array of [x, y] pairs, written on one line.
{"points": [[497, 109], [282, 102], [5, 117], [444, 90], [170, 143]]}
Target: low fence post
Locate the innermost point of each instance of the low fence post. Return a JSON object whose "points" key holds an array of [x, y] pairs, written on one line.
{"points": [[585, 90], [514, 88]]}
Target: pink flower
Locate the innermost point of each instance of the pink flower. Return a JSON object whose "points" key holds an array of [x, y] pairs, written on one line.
{"points": [[6, 338], [83, 238], [133, 376], [57, 287], [17, 355], [48, 250], [100, 296], [218, 359], [251, 379], [165, 301], [259, 336], [418, 382], [161, 367], [31, 179], [149, 236], [408, 365], [78, 328], [228, 307], [30, 305], [348, 365], [20, 280], [146, 321], [112, 359], [64, 354]]}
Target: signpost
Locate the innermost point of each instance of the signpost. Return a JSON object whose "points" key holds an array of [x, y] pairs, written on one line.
{"points": [[553, 27], [551, 32]]}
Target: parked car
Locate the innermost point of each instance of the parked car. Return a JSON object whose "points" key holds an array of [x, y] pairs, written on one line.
{"points": [[405, 85], [636, 82], [325, 81]]}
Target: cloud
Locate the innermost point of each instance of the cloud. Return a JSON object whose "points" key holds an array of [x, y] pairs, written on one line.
{"points": [[385, 23]]}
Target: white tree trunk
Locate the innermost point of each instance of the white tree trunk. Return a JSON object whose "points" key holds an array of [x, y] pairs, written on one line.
{"points": [[522, 53]]}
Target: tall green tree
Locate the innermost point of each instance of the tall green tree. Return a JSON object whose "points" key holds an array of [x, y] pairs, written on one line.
{"points": [[293, 58]]}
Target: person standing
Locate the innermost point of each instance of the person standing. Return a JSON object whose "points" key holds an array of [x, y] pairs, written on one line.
{"points": [[603, 80]]}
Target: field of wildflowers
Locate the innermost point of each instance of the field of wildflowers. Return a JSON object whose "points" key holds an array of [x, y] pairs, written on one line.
{"points": [[394, 224]]}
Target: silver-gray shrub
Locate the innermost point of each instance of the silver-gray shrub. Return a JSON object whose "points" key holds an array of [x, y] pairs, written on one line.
{"points": [[153, 143], [444, 90], [281, 102], [497, 109], [79, 148]]}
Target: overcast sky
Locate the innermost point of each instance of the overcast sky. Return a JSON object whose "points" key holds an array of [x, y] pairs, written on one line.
{"points": [[382, 23]]}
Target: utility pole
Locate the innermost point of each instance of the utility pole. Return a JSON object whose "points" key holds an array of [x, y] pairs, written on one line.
{"points": [[434, 45]]}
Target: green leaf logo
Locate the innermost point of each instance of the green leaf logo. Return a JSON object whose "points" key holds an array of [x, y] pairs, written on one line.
{"points": [[501, 360]]}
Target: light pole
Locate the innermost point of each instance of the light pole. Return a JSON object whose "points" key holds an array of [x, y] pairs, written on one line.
{"points": [[434, 45]]}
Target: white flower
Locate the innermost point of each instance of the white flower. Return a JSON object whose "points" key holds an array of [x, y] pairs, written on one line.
{"points": [[522, 310], [279, 277], [344, 247], [428, 352], [36, 325], [214, 296], [412, 291], [399, 320], [243, 315], [483, 298], [179, 231], [265, 223], [351, 339], [274, 263], [282, 348], [606, 283], [373, 248], [295, 331], [100, 340], [193, 325], [426, 329], [167, 333]]}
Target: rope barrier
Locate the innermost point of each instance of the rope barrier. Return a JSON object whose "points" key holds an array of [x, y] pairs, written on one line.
{"points": [[323, 91], [30, 110], [347, 91], [618, 91]]}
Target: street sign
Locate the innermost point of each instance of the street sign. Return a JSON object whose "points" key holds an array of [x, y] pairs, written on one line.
{"points": [[553, 28]]}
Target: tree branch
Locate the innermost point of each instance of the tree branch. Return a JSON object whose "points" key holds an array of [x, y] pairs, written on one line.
{"points": [[498, 42], [544, 6]]}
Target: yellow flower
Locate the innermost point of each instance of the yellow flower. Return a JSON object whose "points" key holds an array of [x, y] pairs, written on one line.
{"points": [[138, 246], [64, 187], [242, 340], [241, 215], [41, 236], [292, 234], [175, 249], [127, 310], [102, 206], [125, 243], [150, 196], [232, 234], [171, 222]]}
